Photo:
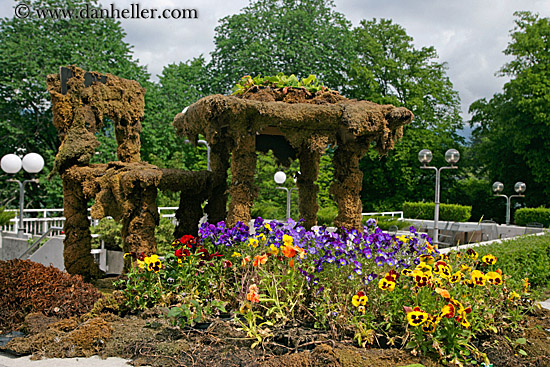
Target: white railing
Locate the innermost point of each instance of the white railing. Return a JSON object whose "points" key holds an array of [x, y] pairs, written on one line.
{"points": [[46, 218], [393, 214]]}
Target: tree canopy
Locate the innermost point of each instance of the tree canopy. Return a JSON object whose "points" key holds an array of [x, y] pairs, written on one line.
{"points": [[514, 125], [298, 37], [32, 48]]}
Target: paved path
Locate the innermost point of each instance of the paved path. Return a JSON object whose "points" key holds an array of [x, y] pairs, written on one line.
{"points": [[7, 360]]}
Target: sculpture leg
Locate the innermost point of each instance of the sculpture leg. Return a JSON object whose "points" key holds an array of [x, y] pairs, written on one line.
{"points": [[243, 190], [77, 242], [308, 189]]}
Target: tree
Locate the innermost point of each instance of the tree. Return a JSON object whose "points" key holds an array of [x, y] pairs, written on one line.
{"points": [[388, 69], [32, 48], [514, 126], [299, 37]]}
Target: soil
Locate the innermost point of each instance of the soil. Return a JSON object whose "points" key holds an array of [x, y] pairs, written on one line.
{"points": [[149, 339]]}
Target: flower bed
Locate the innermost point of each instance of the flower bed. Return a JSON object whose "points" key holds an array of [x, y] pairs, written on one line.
{"points": [[367, 285]]}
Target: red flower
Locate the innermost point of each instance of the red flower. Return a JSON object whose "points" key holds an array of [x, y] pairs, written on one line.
{"points": [[181, 253], [141, 256], [227, 264], [188, 240]]}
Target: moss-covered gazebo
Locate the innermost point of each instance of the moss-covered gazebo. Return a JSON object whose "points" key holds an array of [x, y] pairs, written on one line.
{"points": [[308, 123]]}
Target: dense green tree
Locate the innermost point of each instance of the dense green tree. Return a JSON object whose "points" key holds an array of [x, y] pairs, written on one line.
{"points": [[32, 48], [267, 37], [514, 125], [389, 69]]}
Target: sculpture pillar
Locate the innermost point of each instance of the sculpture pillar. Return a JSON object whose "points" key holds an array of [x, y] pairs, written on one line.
{"points": [[346, 188], [308, 189], [78, 240], [243, 190]]}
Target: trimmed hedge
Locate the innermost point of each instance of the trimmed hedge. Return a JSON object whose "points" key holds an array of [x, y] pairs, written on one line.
{"points": [[449, 212], [524, 216]]}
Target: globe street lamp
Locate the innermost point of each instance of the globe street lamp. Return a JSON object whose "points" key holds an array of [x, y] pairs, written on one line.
{"points": [[519, 187], [425, 156], [31, 163], [280, 178]]}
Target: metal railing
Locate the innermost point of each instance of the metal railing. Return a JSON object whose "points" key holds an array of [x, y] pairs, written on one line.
{"points": [[39, 221], [393, 214]]}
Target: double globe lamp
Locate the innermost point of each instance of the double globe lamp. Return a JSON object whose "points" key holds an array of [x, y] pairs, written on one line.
{"points": [[12, 164]]}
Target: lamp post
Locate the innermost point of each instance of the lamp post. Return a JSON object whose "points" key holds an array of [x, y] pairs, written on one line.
{"points": [[280, 178], [425, 156], [31, 163], [519, 187]]}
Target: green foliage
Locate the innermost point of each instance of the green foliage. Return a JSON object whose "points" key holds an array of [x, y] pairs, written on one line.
{"points": [[524, 216], [109, 231], [327, 215], [387, 68], [449, 212], [5, 216], [513, 126], [31, 49], [310, 84], [288, 36], [179, 86], [526, 257], [164, 233]]}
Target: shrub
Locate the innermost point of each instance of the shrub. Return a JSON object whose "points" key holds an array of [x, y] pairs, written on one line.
{"points": [[526, 257], [449, 212], [109, 231], [524, 216], [28, 287], [5, 217], [326, 216]]}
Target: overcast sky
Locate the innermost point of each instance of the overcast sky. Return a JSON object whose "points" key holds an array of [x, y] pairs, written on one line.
{"points": [[469, 35]]}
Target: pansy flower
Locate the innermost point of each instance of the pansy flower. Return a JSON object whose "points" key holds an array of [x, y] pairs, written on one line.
{"points": [[386, 285], [176, 243], [425, 268], [392, 276], [253, 242], [360, 299], [420, 278], [448, 311], [456, 277], [428, 259], [417, 317], [406, 272], [478, 278], [443, 293], [513, 295], [253, 295], [465, 268], [260, 260], [289, 250], [430, 324], [245, 260], [471, 254], [489, 259], [153, 263], [494, 278], [461, 318]]}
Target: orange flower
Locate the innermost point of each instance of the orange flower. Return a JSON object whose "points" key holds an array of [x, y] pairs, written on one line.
{"points": [[253, 295], [260, 260], [291, 263], [245, 260], [289, 251], [443, 293]]}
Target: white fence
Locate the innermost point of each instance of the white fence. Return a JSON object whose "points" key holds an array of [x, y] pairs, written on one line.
{"points": [[38, 221], [393, 214]]}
